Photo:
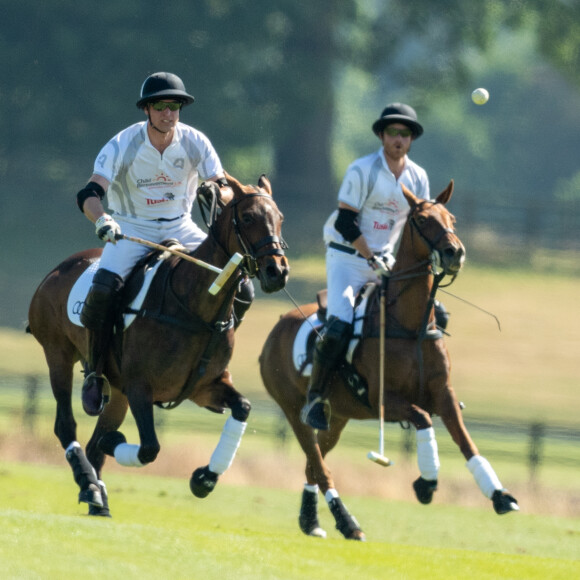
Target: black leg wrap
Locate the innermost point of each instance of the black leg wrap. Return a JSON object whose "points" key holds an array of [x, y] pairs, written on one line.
{"points": [[346, 524], [203, 481], [109, 441], [308, 518], [104, 510], [85, 477], [424, 490]]}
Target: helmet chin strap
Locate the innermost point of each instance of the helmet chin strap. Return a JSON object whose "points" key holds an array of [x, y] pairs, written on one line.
{"points": [[154, 127]]}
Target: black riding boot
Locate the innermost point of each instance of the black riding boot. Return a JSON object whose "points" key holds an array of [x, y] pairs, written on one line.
{"points": [[243, 300], [98, 316], [328, 352]]}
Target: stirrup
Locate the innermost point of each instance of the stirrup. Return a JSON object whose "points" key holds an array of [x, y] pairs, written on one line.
{"points": [[314, 414]]}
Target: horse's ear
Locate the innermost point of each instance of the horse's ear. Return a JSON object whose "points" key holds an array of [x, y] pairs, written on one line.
{"points": [[226, 195], [446, 194], [264, 183], [236, 187], [411, 199]]}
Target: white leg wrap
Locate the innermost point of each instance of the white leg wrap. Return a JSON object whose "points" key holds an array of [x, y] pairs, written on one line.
{"points": [[311, 488], [428, 454], [126, 454], [484, 475], [227, 446], [330, 495]]}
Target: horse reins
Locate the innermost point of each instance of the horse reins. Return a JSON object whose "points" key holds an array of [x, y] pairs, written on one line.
{"points": [[222, 323]]}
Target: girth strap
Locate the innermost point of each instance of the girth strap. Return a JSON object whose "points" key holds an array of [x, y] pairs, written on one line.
{"points": [[219, 327]]}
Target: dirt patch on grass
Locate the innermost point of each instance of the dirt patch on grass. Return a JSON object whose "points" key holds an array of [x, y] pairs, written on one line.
{"points": [[281, 470]]}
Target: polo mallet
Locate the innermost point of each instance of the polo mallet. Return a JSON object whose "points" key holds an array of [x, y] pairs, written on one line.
{"points": [[223, 275], [373, 455]]}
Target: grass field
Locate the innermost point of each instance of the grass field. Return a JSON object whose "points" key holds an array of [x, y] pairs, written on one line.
{"points": [[160, 530], [529, 369]]}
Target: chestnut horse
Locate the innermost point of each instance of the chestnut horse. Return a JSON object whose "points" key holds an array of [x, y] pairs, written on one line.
{"points": [[416, 370], [178, 347]]}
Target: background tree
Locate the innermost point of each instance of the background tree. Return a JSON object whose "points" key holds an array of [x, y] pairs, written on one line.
{"points": [[290, 89]]}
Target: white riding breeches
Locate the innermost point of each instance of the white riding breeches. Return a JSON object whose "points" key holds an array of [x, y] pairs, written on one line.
{"points": [[346, 274], [120, 258]]}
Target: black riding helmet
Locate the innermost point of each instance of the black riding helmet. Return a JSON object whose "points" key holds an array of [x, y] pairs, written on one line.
{"points": [[163, 85], [398, 113]]}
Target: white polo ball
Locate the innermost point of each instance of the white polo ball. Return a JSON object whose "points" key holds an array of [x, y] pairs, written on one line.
{"points": [[480, 96]]}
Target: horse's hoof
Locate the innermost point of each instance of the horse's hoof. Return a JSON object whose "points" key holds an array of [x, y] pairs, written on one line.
{"points": [[109, 441], [91, 495], [424, 490], [317, 533], [102, 511], [203, 481], [92, 395], [503, 502], [358, 535]]}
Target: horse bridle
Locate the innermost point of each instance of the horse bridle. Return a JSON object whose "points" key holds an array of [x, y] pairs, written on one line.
{"points": [[252, 252], [432, 263], [431, 244]]}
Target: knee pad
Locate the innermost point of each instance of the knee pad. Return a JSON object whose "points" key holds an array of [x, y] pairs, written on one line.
{"points": [[441, 315], [334, 342], [102, 299], [243, 300]]}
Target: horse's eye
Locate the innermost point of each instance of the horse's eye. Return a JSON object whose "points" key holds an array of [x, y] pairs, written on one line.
{"points": [[247, 219], [421, 220]]}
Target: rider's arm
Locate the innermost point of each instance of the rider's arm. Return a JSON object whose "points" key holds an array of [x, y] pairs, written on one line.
{"points": [[359, 243], [92, 206]]}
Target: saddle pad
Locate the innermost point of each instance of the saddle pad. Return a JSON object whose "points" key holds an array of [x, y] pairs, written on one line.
{"points": [[300, 347], [299, 350], [79, 291]]}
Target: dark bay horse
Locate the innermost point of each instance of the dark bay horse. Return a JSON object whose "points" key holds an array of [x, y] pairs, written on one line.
{"points": [[178, 347], [416, 370]]}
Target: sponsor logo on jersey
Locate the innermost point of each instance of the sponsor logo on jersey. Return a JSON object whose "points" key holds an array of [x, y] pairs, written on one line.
{"points": [[383, 226], [391, 207], [161, 180], [168, 197]]}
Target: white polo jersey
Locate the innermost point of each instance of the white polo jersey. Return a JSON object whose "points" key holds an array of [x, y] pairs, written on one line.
{"points": [[146, 184], [370, 186]]}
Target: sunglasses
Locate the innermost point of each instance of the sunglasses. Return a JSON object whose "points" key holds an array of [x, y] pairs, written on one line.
{"points": [[392, 132], [161, 106]]}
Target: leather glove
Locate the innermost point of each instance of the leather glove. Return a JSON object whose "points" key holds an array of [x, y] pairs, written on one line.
{"points": [[107, 228], [379, 265]]}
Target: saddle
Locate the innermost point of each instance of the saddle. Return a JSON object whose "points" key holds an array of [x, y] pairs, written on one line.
{"points": [[364, 325], [135, 280], [354, 382]]}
